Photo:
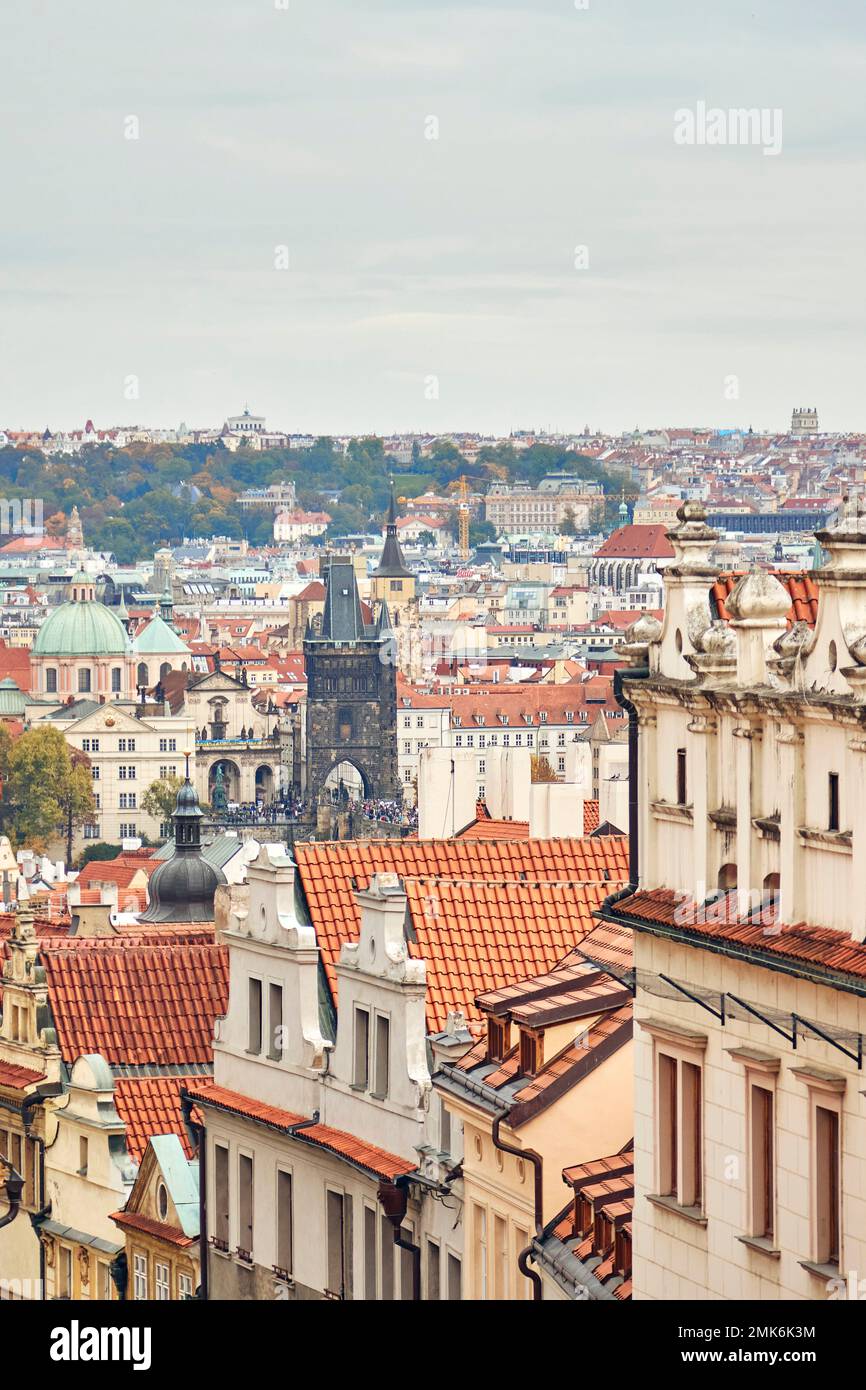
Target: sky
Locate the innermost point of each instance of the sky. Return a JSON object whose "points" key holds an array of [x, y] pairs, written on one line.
{"points": [[393, 215]]}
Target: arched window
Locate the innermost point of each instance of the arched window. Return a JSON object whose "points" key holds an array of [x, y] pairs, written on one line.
{"points": [[142, 675], [727, 877]]}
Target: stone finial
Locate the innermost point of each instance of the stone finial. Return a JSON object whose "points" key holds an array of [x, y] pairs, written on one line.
{"points": [[758, 598]]}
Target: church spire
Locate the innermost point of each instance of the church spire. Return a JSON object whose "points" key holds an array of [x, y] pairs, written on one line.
{"points": [[391, 565]]}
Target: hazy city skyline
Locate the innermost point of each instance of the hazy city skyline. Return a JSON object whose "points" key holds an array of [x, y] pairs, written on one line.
{"points": [[431, 282]]}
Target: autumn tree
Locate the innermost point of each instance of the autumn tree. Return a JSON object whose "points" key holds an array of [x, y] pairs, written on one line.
{"points": [[49, 789], [541, 769], [160, 799]]}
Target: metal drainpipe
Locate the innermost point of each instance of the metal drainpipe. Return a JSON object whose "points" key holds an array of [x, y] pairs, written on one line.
{"points": [[39, 1097], [637, 673], [14, 1186], [394, 1200], [538, 1203]]}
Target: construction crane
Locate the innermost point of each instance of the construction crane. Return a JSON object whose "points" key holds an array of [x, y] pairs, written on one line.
{"points": [[463, 519]]}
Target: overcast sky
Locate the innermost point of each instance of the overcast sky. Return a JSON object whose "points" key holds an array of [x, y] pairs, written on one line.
{"points": [[724, 286]]}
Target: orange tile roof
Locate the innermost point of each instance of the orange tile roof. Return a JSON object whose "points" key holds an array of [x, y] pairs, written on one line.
{"points": [[636, 542], [136, 1221], [15, 1078], [486, 828], [142, 1005], [800, 585], [481, 936], [379, 1162], [720, 923], [590, 817], [150, 1105]]}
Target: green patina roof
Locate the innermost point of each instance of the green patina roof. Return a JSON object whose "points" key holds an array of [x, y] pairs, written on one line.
{"points": [[12, 701], [82, 628], [158, 639]]}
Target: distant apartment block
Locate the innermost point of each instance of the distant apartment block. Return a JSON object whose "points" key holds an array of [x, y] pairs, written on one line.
{"points": [[520, 507], [279, 497]]}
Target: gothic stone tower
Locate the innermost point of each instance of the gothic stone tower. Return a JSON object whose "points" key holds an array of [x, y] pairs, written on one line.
{"points": [[351, 690]]}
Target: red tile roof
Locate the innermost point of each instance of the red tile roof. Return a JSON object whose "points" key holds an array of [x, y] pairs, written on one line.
{"points": [[331, 871], [637, 543], [590, 817], [373, 1160], [136, 1221], [721, 923], [485, 828], [800, 585], [481, 936], [142, 1005], [16, 1078], [150, 1105]]}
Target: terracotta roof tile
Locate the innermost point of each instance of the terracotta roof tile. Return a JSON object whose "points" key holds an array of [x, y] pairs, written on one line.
{"points": [[143, 1005], [800, 585], [482, 919], [16, 1078], [590, 817], [136, 1221], [150, 1105], [379, 1162], [721, 922]]}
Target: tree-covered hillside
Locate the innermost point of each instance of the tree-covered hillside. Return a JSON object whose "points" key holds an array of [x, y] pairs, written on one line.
{"points": [[135, 499]]}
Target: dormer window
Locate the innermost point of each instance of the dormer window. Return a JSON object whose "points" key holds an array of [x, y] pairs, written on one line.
{"points": [[497, 1038], [531, 1052], [542, 716], [569, 716]]}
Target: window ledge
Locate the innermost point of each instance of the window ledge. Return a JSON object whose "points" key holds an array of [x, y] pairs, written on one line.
{"points": [[839, 841], [820, 1271], [671, 810], [693, 1214], [761, 1245]]}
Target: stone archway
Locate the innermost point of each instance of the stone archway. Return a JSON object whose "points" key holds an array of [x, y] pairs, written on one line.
{"points": [[354, 780], [264, 783], [231, 779]]}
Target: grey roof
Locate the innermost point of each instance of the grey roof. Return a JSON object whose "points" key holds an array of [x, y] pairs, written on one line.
{"points": [[217, 853], [342, 619], [77, 710]]}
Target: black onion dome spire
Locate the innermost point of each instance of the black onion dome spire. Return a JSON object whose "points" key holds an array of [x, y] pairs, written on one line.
{"points": [[182, 888]]}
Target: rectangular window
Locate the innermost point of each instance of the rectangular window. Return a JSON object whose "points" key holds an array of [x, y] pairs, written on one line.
{"points": [[51, 681], [361, 1069], [762, 1160], [383, 1055], [64, 1273], [139, 1280], [337, 1244], [387, 1246], [682, 785], [433, 1271], [184, 1286], [162, 1281], [369, 1253], [127, 830], [833, 799], [667, 1125], [275, 1022], [254, 1044], [285, 1223], [500, 1258], [82, 1157], [104, 1282], [83, 680], [826, 1182], [444, 1127], [115, 679], [480, 1225], [679, 1129], [245, 1206], [221, 1196]]}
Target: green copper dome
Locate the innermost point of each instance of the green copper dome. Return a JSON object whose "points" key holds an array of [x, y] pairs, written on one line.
{"points": [[12, 702], [82, 628]]}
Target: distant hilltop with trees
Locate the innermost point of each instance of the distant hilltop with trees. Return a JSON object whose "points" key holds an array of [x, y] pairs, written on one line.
{"points": [[136, 498]]}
